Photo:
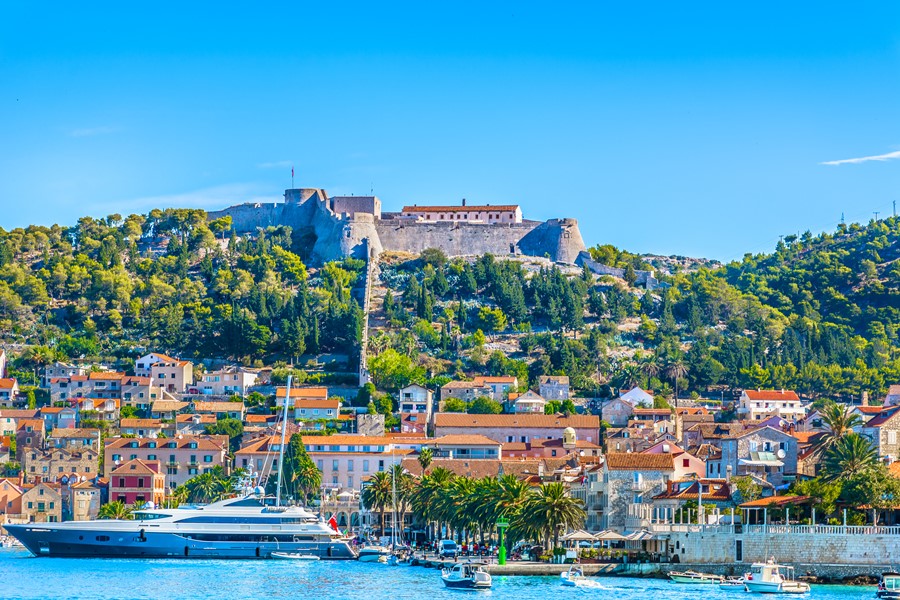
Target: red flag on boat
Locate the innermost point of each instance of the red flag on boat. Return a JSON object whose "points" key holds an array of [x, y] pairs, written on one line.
{"points": [[332, 522]]}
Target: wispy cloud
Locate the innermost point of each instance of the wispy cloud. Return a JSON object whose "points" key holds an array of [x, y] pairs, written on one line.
{"points": [[92, 131], [212, 198], [279, 164], [862, 159]]}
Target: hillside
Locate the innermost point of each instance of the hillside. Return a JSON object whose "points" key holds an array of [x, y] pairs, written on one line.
{"points": [[171, 281], [820, 314]]}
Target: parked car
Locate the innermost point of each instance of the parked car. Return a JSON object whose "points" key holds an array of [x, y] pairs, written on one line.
{"points": [[448, 549]]}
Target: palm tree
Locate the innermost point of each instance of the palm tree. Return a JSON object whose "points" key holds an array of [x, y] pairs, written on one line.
{"points": [[425, 458], [650, 366], [116, 510], [377, 495], [425, 495], [551, 509], [849, 456], [675, 370], [840, 421]]}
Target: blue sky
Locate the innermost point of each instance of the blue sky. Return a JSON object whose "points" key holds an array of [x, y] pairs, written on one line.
{"points": [[696, 130]]}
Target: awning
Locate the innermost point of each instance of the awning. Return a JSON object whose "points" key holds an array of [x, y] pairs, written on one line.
{"points": [[760, 463], [609, 536], [640, 536], [579, 535]]}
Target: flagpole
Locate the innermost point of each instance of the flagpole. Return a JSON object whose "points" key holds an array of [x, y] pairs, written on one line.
{"points": [[292, 176]]}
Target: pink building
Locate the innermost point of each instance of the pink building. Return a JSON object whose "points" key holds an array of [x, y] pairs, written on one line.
{"points": [[137, 481], [522, 428]]}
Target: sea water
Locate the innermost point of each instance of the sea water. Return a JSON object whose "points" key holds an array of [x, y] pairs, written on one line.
{"points": [[24, 576]]}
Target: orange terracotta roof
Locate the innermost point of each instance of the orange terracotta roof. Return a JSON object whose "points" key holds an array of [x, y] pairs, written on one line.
{"points": [[259, 418], [129, 422], [627, 461], [463, 440], [805, 437], [137, 466], [303, 392], [491, 379], [315, 403], [7, 383], [218, 406], [883, 417], [164, 357], [869, 410], [460, 208], [204, 419], [776, 501], [52, 410], [105, 375], [517, 421], [772, 395], [75, 433]]}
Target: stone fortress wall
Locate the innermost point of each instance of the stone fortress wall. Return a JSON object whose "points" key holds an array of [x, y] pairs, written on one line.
{"points": [[339, 235]]}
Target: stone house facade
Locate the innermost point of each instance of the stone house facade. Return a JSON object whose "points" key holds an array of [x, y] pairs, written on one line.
{"points": [[42, 503], [55, 463], [884, 433], [522, 428], [554, 387], [182, 458], [617, 412], [766, 452], [632, 479], [85, 503]]}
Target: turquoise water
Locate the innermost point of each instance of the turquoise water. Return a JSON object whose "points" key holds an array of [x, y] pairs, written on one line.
{"points": [[23, 576]]}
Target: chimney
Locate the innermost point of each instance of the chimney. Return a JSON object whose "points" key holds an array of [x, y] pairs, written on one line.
{"points": [[464, 201], [864, 399]]}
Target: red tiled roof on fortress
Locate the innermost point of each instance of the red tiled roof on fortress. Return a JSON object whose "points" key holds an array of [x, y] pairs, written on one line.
{"points": [[461, 208], [772, 394]]}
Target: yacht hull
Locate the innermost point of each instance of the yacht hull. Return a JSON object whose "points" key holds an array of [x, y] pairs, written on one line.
{"points": [[47, 540]]}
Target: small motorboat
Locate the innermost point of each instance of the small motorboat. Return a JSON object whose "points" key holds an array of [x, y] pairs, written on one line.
{"points": [[695, 577], [374, 554], [467, 575], [733, 584], [889, 586], [772, 578], [294, 556], [573, 576]]}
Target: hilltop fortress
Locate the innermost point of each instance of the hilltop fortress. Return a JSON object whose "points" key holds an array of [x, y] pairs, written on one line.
{"points": [[343, 226]]}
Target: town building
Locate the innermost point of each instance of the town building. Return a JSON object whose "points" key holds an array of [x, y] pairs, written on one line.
{"points": [[9, 390], [59, 370], [194, 424], [415, 398], [171, 374], [765, 452], [42, 503], [350, 205], [54, 463], [85, 503], [757, 405], [638, 397], [630, 481], [466, 391], [500, 386], [226, 382], [473, 446], [167, 410], [221, 410], [522, 428], [893, 396], [183, 457], [884, 430], [136, 482], [59, 417], [100, 409], [10, 499], [554, 387], [30, 434], [140, 393], [617, 412], [74, 439], [144, 428], [502, 213], [529, 402], [9, 419]]}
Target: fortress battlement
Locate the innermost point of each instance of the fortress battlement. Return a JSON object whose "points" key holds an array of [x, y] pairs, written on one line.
{"points": [[353, 225]]}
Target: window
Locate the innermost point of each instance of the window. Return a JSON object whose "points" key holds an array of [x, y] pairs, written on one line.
{"points": [[350, 481], [207, 458], [151, 457], [334, 465], [685, 462], [365, 466], [319, 464], [350, 466]]}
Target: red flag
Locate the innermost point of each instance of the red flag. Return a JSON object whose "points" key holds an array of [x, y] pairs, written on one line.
{"points": [[332, 522], [292, 172]]}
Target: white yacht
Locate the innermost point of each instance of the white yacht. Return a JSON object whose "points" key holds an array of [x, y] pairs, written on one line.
{"points": [[235, 528], [374, 554], [772, 578]]}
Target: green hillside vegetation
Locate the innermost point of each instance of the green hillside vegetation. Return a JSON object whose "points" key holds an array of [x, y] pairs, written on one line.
{"points": [[820, 315], [171, 281]]}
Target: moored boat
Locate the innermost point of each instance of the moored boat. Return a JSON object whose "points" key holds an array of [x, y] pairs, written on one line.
{"points": [[733, 584], [889, 587], [694, 577], [573, 576], [294, 556], [374, 554], [772, 578], [468, 575]]}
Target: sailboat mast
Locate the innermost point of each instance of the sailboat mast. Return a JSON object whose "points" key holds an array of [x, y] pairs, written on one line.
{"points": [[287, 396], [393, 499]]}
